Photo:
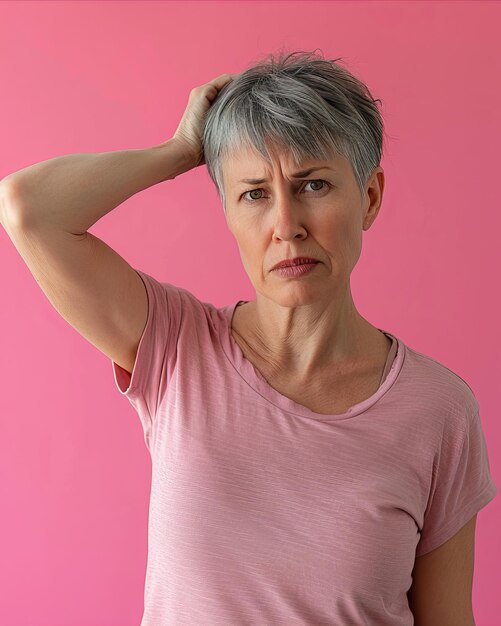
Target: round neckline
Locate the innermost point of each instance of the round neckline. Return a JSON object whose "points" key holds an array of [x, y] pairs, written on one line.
{"points": [[251, 375]]}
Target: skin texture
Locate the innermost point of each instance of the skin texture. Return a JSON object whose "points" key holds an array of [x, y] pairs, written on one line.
{"points": [[304, 326]]}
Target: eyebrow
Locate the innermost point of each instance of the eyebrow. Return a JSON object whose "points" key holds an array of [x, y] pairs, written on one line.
{"points": [[258, 181]]}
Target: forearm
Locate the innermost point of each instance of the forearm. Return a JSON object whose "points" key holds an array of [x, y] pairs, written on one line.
{"points": [[73, 192]]}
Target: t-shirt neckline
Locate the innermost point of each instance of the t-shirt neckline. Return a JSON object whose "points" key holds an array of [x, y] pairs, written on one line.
{"points": [[256, 381]]}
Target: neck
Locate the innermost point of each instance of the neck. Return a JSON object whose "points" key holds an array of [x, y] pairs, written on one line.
{"points": [[303, 341]]}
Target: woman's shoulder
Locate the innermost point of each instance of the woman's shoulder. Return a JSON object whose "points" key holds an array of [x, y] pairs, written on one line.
{"points": [[432, 378]]}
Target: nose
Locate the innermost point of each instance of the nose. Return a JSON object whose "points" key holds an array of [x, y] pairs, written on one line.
{"points": [[288, 219]]}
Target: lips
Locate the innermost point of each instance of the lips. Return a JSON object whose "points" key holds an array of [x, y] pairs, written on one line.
{"points": [[296, 261]]}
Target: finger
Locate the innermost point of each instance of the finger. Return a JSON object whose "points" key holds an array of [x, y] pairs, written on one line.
{"points": [[221, 80]]}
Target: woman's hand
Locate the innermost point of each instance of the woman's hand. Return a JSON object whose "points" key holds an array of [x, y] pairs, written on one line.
{"points": [[189, 132]]}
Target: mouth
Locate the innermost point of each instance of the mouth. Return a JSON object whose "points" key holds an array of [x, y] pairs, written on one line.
{"points": [[294, 262], [296, 271]]}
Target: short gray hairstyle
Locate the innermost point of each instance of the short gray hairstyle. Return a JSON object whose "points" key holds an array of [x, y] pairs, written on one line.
{"points": [[300, 102]]}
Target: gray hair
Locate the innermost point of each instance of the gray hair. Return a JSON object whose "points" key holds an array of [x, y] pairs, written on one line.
{"points": [[299, 102]]}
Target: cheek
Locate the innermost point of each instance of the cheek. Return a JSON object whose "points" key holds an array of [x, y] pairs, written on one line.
{"points": [[254, 256], [250, 250], [342, 239]]}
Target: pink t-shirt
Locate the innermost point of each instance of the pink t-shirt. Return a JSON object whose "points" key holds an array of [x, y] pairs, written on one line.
{"points": [[263, 512]]}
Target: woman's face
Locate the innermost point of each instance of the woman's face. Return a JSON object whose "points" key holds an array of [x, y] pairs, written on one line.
{"points": [[319, 215]]}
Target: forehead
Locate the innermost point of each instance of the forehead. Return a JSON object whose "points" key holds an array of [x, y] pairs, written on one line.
{"points": [[247, 164]]}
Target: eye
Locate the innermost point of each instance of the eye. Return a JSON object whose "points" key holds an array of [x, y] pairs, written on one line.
{"points": [[325, 184], [318, 181]]}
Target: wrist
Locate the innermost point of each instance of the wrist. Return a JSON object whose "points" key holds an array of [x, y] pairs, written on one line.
{"points": [[174, 158]]}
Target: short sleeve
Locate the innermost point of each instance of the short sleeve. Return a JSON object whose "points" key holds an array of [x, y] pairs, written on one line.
{"points": [[462, 485], [156, 353]]}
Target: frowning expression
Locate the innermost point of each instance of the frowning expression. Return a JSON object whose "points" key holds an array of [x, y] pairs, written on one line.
{"points": [[283, 212]]}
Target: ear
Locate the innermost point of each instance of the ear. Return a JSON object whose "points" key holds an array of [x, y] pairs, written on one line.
{"points": [[373, 196]]}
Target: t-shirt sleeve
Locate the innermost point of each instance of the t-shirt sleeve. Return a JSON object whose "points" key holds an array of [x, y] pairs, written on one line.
{"points": [[461, 484], [156, 353]]}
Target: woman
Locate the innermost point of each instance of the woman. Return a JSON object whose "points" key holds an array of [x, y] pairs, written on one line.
{"points": [[308, 467]]}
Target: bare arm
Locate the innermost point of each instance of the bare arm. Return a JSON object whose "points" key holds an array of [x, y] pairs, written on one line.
{"points": [[46, 210], [73, 192]]}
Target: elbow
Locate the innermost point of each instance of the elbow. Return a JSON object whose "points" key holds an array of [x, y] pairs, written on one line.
{"points": [[11, 202]]}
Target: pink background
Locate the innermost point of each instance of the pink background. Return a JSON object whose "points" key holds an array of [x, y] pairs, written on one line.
{"points": [[102, 76]]}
